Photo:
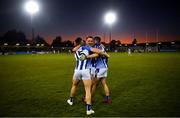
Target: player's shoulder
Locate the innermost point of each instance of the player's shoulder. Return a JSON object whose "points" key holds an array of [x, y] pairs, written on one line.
{"points": [[100, 46], [86, 47]]}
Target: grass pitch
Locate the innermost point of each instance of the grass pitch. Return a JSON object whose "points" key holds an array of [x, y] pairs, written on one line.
{"points": [[140, 85]]}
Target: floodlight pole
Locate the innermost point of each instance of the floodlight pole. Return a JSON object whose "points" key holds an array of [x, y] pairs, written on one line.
{"points": [[33, 34], [110, 35], [157, 39], [32, 27], [146, 40]]}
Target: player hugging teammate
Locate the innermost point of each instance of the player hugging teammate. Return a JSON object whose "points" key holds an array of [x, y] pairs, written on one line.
{"points": [[91, 68]]}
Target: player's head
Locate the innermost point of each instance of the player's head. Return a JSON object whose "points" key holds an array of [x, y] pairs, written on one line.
{"points": [[97, 39], [78, 41], [90, 41]]}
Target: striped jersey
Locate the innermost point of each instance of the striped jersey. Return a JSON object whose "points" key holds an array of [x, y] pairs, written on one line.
{"points": [[101, 61], [82, 64], [93, 60]]}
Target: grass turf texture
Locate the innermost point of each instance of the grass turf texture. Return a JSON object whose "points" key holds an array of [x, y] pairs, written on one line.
{"points": [[141, 85]]}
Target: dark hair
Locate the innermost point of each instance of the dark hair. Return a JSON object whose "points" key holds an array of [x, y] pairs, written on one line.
{"points": [[78, 40], [98, 39], [89, 37]]}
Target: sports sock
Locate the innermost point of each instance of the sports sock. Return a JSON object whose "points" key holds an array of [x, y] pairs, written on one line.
{"points": [[88, 107], [107, 97], [72, 99]]}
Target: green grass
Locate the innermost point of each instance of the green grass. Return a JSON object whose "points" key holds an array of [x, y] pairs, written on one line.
{"points": [[140, 85]]}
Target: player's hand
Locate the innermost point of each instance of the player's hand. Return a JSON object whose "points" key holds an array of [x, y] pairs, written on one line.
{"points": [[107, 55], [76, 48], [83, 57]]}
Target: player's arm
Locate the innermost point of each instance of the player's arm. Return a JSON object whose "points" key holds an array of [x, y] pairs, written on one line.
{"points": [[106, 54], [76, 48], [92, 55], [100, 52]]}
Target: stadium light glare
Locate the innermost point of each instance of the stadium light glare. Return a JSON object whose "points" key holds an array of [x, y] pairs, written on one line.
{"points": [[110, 17], [32, 7]]}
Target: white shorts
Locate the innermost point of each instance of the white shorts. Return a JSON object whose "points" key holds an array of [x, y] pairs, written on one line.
{"points": [[93, 71], [101, 73], [82, 74]]}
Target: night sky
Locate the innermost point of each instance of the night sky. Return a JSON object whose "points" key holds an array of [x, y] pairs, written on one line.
{"points": [[72, 18]]}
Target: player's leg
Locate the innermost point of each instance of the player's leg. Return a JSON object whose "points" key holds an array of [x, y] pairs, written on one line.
{"points": [[93, 88], [87, 86], [92, 73], [105, 87], [74, 87], [95, 82], [73, 92], [102, 75], [75, 82], [106, 90], [86, 77]]}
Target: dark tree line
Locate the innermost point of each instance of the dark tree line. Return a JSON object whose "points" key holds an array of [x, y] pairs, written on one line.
{"points": [[114, 44], [57, 42], [12, 37]]}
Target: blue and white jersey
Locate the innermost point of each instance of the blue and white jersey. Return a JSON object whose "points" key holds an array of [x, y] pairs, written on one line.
{"points": [[101, 61], [82, 64], [93, 60]]}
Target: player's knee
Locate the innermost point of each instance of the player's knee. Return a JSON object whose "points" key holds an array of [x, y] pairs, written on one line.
{"points": [[94, 82], [103, 82], [74, 84]]}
